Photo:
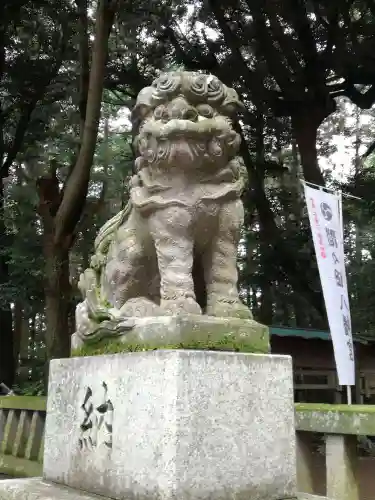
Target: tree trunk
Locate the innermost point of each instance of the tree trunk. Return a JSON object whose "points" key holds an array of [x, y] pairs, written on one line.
{"points": [[22, 336], [305, 130], [57, 286], [265, 313], [18, 325], [286, 316], [296, 200], [253, 304], [357, 144], [32, 328], [57, 296], [7, 365], [84, 59]]}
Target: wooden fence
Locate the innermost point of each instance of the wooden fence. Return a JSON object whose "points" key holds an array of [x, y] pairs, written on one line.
{"points": [[22, 420], [311, 385]]}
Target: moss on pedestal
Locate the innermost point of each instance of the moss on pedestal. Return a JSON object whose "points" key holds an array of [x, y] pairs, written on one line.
{"points": [[188, 331], [226, 342]]}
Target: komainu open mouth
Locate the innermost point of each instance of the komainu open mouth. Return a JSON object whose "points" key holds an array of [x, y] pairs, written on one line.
{"points": [[206, 127]]}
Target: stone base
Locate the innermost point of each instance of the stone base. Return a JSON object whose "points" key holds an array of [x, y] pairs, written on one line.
{"points": [[307, 496], [161, 331], [173, 424], [38, 489]]}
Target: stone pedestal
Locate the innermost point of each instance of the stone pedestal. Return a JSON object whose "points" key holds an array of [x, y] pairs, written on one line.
{"points": [[168, 424], [39, 489], [172, 424]]}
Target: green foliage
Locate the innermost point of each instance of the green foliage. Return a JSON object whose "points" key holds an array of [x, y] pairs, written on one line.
{"points": [[285, 66], [36, 388]]}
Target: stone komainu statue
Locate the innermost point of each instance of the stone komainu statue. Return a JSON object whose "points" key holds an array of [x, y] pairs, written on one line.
{"points": [[173, 248]]}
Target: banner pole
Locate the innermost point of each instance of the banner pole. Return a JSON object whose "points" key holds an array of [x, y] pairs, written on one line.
{"points": [[339, 200], [332, 190], [349, 394]]}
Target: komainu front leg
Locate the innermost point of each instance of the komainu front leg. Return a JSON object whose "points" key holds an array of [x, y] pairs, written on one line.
{"points": [[171, 231], [220, 266]]}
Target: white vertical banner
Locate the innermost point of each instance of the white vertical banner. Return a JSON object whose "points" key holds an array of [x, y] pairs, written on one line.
{"points": [[325, 216]]}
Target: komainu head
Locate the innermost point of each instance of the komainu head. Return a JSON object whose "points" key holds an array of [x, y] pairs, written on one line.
{"points": [[184, 120]]}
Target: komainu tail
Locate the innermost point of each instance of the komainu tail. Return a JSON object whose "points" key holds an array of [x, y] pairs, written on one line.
{"points": [[106, 233]]}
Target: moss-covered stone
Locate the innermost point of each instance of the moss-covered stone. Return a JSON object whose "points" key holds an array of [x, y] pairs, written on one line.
{"points": [[224, 343], [32, 403], [323, 407], [183, 332], [20, 467], [336, 419]]}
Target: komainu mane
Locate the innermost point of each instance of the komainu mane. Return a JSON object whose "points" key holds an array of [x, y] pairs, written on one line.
{"points": [[173, 248]]}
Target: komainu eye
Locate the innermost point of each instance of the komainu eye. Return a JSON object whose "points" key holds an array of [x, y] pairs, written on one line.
{"points": [[191, 114], [205, 110]]}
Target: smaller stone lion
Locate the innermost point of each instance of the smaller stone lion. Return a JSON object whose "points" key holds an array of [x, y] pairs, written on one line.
{"points": [[173, 248]]}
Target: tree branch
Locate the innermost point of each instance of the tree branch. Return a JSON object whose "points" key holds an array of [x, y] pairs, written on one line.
{"points": [[281, 74], [259, 93], [314, 72], [362, 100], [84, 59]]}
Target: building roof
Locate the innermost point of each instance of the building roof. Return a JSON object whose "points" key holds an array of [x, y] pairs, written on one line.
{"points": [[282, 331], [308, 334]]}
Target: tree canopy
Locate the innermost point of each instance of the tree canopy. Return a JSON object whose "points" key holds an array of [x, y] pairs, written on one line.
{"points": [[69, 74]]}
